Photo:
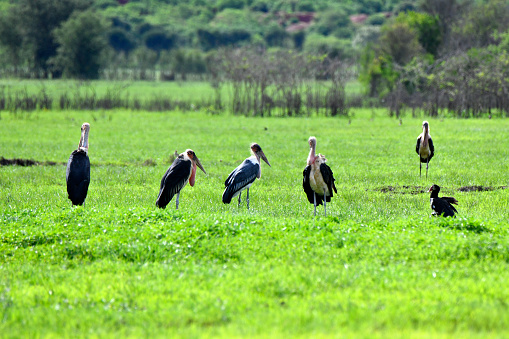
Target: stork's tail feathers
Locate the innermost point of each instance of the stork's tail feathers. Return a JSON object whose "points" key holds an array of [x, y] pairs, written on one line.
{"points": [[163, 199], [228, 195]]}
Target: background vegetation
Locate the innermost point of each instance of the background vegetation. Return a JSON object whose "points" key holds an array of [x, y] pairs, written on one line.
{"points": [[431, 55]]}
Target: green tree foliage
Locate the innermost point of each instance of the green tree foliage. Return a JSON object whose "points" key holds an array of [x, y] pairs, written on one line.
{"points": [[330, 21], [275, 36], [331, 46], [121, 41], [188, 62], [369, 6], [260, 6], [298, 39], [11, 37], [427, 28], [159, 40], [34, 21], [210, 38], [237, 4], [479, 26], [400, 42], [81, 43]]}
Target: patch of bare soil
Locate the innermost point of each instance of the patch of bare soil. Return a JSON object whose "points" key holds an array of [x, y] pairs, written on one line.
{"points": [[480, 188], [24, 162], [402, 190]]}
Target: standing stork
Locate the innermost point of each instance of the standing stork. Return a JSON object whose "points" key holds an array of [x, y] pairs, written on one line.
{"points": [[441, 206], [182, 169], [318, 181], [244, 175], [77, 174], [424, 147]]}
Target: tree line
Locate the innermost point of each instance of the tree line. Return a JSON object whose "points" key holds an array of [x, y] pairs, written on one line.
{"points": [[433, 55]]}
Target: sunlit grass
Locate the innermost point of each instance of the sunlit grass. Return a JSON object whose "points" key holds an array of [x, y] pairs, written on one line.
{"points": [[377, 266]]}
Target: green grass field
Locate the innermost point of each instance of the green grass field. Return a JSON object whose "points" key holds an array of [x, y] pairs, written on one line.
{"points": [[377, 266]]}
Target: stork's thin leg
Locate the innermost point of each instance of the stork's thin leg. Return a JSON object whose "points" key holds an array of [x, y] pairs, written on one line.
{"points": [[427, 162], [247, 198], [314, 198], [178, 194], [325, 202], [240, 193]]}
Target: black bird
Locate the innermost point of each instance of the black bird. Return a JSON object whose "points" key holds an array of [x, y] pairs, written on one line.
{"points": [[318, 181], [77, 174], [441, 206], [244, 175], [182, 169], [424, 147]]}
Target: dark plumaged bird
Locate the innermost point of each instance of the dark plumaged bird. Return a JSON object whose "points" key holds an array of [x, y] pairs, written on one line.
{"points": [[441, 206], [244, 175], [77, 174], [318, 181], [182, 170], [424, 147]]}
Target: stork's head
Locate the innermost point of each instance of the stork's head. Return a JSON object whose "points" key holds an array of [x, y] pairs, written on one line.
{"points": [[312, 142], [194, 159], [425, 126], [83, 145], [257, 151], [434, 188]]}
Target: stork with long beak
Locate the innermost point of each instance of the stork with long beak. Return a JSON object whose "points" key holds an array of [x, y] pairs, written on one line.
{"points": [[244, 175], [424, 147], [77, 174], [318, 181], [182, 170]]}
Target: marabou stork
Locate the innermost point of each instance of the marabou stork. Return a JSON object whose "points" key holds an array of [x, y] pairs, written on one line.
{"points": [[77, 174], [441, 206], [244, 175], [181, 170], [424, 147], [318, 181]]}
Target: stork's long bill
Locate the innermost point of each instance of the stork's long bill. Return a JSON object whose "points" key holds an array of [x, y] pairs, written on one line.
{"points": [[425, 133], [195, 162], [83, 145], [257, 151]]}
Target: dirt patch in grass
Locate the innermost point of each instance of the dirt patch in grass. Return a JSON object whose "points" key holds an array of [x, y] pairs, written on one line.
{"points": [[402, 189], [24, 162], [480, 188], [418, 190]]}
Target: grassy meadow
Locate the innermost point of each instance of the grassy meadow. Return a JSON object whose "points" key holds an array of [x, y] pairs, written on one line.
{"points": [[377, 266]]}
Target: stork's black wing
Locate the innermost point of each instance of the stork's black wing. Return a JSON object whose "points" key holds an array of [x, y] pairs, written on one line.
{"points": [[442, 207], [239, 178], [328, 178], [305, 184], [173, 181], [418, 145], [450, 200], [78, 177], [431, 149]]}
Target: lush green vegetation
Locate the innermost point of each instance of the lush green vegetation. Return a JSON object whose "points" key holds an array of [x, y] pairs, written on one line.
{"points": [[431, 55], [377, 266]]}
